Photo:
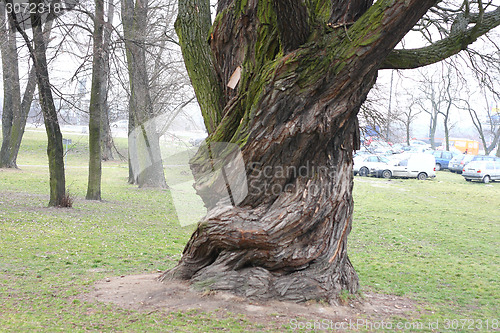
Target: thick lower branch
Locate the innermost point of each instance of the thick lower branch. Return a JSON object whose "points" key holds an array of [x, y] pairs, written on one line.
{"points": [[444, 48]]}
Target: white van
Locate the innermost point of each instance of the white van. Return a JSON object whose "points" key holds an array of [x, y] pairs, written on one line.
{"points": [[420, 166]]}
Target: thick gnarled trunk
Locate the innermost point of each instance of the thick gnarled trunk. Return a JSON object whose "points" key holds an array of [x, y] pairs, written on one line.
{"points": [[293, 113]]}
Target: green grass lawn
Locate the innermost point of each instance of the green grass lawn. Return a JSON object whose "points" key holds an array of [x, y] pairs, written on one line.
{"points": [[435, 241]]}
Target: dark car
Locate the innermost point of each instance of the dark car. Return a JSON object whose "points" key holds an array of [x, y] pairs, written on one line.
{"points": [[458, 162], [443, 158]]}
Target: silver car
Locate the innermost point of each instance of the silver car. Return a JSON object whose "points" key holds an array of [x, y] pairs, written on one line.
{"points": [[363, 164], [484, 171]]}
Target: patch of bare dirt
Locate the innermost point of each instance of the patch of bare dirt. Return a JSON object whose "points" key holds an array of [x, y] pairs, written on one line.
{"points": [[145, 293]]}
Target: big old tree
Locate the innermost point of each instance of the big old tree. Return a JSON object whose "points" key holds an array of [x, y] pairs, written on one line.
{"points": [[284, 80]]}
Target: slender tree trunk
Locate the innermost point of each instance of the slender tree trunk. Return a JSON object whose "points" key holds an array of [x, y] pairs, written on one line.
{"points": [[20, 118], [494, 142], [449, 96], [106, 136], [12, 91], [292, 108], [96, 106], [19, 124], [476, 121], [55, 149], [132, 149], [447, 132], [408, 133], [149, 165], [432, 129]]}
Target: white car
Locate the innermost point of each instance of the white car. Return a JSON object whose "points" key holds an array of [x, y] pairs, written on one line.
{"points": [[363, 164], [484, 171], [120, 124], [420, 166], [419, 143]]}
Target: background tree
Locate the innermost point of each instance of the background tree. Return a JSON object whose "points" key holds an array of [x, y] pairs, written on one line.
{"points": [[55, 152], [407, 117], [16, 111], [491, 120], [97, 104], [429, 102], [285, 80], [106, 135], [438, 96], [375, 117], [449, 99], [12, 89], [144, 145]]}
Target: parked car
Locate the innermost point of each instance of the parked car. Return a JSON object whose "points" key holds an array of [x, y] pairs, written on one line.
{"points": [[419, 143], [484, 171], [485, 158], [363, 164], [419, 149], [443, 158], [458, 162], [420, 166], [120, 124]]}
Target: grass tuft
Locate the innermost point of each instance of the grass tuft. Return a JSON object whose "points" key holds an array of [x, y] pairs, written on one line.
{"points": [[67, 200]]}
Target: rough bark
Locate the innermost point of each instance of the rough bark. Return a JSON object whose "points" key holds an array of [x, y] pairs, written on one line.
{"points": [[292, 33], [55, 151], [144, 145], [348, 11], [96, 106], [291, 110]]}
